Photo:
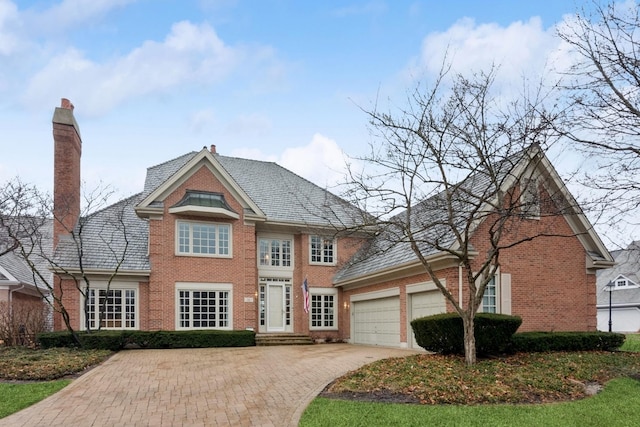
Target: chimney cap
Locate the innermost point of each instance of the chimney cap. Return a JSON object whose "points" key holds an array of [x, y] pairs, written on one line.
{"points": [[66, 104]]}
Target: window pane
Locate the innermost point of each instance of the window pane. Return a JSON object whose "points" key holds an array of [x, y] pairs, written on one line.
{"points": [[286, 253], [264, 252], [223, 240], [183, 238]]}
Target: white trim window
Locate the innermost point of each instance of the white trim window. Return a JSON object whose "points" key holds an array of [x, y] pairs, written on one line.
{"points": [[623, 282], [204, 306], [490, 298], [120, 307], [203, 239], [323, 311], [322, 250], [274, 252]]}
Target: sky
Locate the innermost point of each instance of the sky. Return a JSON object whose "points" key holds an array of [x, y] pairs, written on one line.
{"points": [[279, 80]]}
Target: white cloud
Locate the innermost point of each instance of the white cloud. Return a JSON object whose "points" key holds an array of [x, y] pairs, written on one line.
{"points": [[9, 19], [321, 161], [68, 13], [190, 54], [520, 49]]}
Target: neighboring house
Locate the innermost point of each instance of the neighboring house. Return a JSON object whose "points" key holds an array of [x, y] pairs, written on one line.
{"points": [[22, 292], [216, 242], [620, 286]]}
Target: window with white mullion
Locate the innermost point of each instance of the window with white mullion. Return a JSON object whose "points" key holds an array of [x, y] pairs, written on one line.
{"points": [[117, 308], [275, 252], [204, 309], [321, 250], [322, 313], [204, 239]]}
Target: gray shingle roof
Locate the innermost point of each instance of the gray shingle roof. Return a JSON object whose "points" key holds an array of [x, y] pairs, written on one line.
{"points": [[282, 195], [433, 222], [627, 265], [103, 239], [286, 197], [18, 267]]}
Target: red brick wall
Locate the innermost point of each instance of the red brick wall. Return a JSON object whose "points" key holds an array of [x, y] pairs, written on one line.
{"points": [[550, 286], [167, 268]]}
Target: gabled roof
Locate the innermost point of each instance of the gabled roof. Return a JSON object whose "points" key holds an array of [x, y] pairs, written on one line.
{"points": [[268, 191], [390, 251], [627, 266]]}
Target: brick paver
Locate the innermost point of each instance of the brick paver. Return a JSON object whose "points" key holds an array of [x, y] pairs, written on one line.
{"points": [[252, 386]]}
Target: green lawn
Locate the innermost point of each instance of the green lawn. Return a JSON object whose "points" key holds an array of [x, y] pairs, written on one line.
{"points": [[631, 343], [440, 379], [14, 397], [617, 405]]}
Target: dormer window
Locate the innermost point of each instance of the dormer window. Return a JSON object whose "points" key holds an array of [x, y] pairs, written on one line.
{"points": [[204, 203], [622, 282]]}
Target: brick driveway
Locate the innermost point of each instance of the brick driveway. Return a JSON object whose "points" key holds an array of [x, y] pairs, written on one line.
{"points": [[256, 386]]}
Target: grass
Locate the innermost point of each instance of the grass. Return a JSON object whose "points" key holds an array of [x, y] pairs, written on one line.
{"points": [[14, 397], [497, 392], [631, 343], [26, 374], [618, 404]]}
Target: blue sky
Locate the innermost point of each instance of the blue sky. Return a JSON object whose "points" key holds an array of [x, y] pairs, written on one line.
{"points": [[277, 80]]}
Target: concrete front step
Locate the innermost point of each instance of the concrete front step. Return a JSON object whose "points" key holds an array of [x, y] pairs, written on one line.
{"points": [[283, 339]]}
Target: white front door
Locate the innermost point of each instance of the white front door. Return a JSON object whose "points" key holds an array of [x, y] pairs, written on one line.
{"points": [[275, 301], [275, 308]]}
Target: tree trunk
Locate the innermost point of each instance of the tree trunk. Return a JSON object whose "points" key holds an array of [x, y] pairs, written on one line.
{"points": [[469, 339]]}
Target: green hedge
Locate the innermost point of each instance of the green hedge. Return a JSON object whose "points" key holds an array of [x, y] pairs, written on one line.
{"points": [[566, 341], [117, 340], [444, 333]]}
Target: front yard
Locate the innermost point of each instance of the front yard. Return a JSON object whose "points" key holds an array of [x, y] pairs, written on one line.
{"points": [[495, 392]]}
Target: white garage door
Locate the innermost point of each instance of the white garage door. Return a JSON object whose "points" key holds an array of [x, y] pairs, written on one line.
{"points": [[424, 304], [622, 319], [377, 322]]}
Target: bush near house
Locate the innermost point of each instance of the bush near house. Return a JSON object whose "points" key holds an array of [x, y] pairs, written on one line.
{"points": [[444, 333], [117, 340], [20, 322], [536, 342]]}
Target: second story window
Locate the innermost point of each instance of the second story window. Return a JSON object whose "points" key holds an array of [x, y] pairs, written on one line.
{"points": [[274, 252], [204, 239], [321, 250]]}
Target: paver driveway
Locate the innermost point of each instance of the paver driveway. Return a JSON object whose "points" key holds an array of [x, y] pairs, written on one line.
{"points": [[252, 386]]}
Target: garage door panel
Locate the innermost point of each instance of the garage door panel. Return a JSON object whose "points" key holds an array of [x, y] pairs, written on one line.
{"points": [[425, 304], [377, 322]]}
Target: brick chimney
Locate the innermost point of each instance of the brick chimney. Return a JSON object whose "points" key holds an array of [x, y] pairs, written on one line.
{"points": [[66, 170]]}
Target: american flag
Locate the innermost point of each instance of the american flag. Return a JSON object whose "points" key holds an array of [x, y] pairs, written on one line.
{"points": [[305, 296]]}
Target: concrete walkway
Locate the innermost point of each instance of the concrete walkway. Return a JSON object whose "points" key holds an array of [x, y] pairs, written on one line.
{"points": [[252, 386]]}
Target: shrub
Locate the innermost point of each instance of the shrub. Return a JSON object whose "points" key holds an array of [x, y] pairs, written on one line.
{"points": [[190, 339], [116, 340], [566, 341], [444, 333], [20, 323]]}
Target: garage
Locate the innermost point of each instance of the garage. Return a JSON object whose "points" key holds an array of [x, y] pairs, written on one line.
{"points": [[623, 319], [376, 321], [423, 304]]}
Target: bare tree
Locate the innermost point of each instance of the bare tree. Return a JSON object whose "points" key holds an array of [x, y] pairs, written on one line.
{"points": [[98, 241], [603, 87], [454, 172]]}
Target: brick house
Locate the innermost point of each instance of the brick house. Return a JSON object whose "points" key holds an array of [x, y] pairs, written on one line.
{"points": [[226, 243]]}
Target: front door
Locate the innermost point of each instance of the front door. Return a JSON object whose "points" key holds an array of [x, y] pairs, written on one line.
{"points": [[275, 305]]}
